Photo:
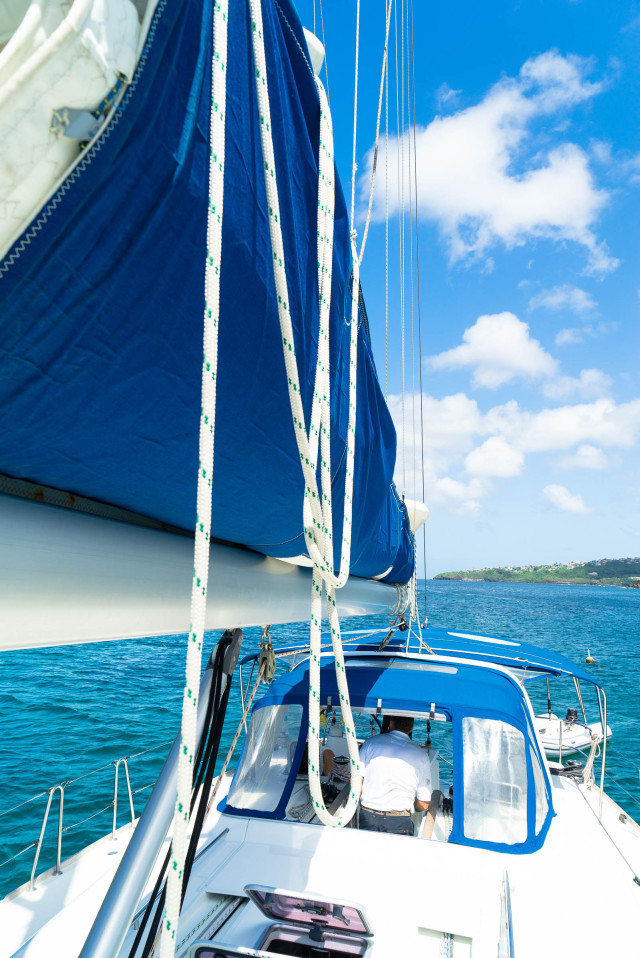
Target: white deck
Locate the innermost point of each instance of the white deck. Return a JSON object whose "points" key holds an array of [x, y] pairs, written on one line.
{"points": [[574, 896]]}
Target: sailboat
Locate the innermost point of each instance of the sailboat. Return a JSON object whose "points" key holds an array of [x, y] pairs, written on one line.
{"points": [[101, 292]]}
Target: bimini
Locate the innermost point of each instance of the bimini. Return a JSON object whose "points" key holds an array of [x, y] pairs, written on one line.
{"points": [[474, 879]]}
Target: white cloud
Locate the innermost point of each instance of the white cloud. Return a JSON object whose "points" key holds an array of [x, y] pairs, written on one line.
{"points": [[495, 457], [499, 349], [565, 500], [460, 497], [552, 430], [446, 98], [591, 384], [483, 179], [585, 457], [578, 334], [631, 168], [601, 151], [450, 425], [465, 449], [568, 337], [564, 297]]}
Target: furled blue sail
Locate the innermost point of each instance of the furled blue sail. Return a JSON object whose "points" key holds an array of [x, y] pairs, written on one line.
{"points": [[101, 305]]}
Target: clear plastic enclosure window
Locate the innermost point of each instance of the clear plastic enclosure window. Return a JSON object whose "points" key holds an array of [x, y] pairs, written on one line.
{"points": [[267, 758], [542, 803], [495, 781]]}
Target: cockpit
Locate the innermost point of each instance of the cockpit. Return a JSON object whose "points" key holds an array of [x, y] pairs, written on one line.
{"points": [[489, 781]]}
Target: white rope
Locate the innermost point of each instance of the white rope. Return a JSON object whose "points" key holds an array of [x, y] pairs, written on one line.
{"points": [[317, 510], [205, 471]]}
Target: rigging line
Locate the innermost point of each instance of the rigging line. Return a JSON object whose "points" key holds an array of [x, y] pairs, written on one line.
{"points": [[415, 200], [231, 750], [354, 166], [326, 63], [18, 854], [27, 802], [204, 503], [608, 833], [317, 510], [411, 296], [374, 163], [403, 253], [386, 236], [399, 166]]}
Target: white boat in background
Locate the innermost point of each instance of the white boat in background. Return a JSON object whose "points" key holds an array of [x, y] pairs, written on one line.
{"points": [[566, 736]]}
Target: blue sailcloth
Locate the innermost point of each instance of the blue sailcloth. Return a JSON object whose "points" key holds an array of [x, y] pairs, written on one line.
{"points": [[101, 304]]}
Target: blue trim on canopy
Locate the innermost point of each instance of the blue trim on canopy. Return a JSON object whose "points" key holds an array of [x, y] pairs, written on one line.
{"points": [[101, 305], [412, 684], [509, 653]]}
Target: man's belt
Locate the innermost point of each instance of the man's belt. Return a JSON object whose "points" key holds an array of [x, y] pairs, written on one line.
{"points": [[378, 811]]}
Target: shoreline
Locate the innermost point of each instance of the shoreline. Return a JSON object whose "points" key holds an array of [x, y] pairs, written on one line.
{"points": [[462, 578]]}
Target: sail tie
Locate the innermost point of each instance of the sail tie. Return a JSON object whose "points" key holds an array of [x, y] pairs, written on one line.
{"points": [[315, 441]]}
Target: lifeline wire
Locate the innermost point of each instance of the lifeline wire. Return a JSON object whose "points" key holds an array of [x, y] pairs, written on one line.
{"points": [[354, 167], [374, 162], [205, 471], [415, 199]]}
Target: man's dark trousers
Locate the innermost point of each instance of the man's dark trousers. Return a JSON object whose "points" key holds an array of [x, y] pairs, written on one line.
{"points": [[396, 824]]}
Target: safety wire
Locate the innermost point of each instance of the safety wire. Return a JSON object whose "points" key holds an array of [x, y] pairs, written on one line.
{"points": [[354, 166], [241, 723], [386, 235], [400, 177], [414, 614], [415, 200], [324, 44]]}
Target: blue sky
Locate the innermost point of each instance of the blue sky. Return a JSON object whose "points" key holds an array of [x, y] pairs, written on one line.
{"points": [[528, 173]]}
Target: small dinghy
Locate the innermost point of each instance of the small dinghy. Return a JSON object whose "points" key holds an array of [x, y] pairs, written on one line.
{"points": [[563, 736]]}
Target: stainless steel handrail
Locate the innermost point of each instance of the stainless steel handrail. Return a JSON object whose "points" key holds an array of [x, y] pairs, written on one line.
{"points": [[604, 751], [560, 742], [505, 944], [121, 761], [58, 870], [50, 792]]}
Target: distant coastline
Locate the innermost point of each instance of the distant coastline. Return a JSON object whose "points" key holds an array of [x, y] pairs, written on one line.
{"points": [[622, 572]]}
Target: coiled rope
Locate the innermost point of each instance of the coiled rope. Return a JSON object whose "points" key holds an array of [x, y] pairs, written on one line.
{"points": [[317, 510], [205, 475]]}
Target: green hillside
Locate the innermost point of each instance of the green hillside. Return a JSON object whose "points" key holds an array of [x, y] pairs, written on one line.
{"points": [[624, 572]]}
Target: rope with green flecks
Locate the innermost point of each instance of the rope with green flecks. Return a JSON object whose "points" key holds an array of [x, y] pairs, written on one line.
{"points": [[317, 509], [205, 473]]}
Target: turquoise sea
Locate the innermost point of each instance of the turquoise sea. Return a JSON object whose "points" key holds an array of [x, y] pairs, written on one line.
{"points": [[66, 712]]}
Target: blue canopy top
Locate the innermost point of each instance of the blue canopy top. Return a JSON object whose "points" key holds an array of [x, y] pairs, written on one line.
{"points": [[533, 661], [501, 787], [102, 298], [407, 685]]}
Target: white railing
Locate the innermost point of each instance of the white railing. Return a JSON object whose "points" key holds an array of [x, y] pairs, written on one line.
{"points": [[61, 790]]}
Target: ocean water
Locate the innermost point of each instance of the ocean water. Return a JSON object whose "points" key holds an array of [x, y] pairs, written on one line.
{"points": [[67, 712]]}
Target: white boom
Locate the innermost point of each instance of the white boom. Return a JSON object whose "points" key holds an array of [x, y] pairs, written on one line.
{"points": [[67, 577]]}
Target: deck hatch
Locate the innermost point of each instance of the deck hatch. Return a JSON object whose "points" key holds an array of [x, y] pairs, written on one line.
{"points": [[308, 910]]}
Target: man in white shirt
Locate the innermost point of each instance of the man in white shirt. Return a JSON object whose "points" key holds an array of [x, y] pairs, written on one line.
{"points": [[396, 779]]}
